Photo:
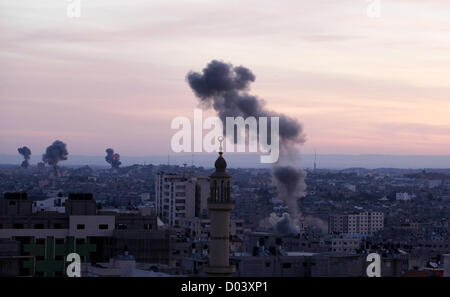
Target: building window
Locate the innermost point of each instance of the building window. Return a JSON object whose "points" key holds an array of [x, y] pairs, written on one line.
{"points": [[80, 241], [121, 226], [147, 226], [18, 226], [286, 265], [103, 226], [57, 226], [38, 226], [267, 264], [11, 203], [59, 240], [80, 226], [40, 241]]}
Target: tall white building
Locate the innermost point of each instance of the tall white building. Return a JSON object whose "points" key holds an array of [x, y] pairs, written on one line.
{"points": [[364, 223], [180, 196], [403, 197]]}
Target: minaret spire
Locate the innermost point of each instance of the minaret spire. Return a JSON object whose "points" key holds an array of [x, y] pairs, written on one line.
{"points": [[220, 139]]}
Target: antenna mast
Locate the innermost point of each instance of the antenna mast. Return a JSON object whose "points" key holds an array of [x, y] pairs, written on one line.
{"points": [[315, 159]]}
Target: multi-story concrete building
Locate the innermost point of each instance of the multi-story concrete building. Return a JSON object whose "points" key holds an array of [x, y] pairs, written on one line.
{"points": [[267, 243], [50, 204], [16, 204], [47, 237], [9, 257], [364, 223], [199, 228], [343, 244], [338, 224], [303, 264], [180, 196]]}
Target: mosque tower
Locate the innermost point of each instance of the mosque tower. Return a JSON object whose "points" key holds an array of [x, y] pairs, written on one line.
{"points": [[219, 206]]}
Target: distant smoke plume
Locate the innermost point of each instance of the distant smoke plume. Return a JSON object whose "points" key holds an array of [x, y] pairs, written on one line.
{"points": [[112, 158], [318, 223], [291, 186], [26, 153], [55, 153], [225, 88], [283, 224]]}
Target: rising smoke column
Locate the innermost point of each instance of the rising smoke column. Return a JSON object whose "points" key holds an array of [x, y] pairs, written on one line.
{"points": [[224, 88], [55, 153], [113, 159], [26, 153]]}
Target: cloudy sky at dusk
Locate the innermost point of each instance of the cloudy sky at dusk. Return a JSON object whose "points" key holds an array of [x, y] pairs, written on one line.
{"points": [[115, 77]]}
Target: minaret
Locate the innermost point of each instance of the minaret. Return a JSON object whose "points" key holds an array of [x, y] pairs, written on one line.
{"points": [[219, 206], [315, 158]]}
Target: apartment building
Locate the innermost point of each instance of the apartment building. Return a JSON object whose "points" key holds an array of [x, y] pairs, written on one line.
{"points": [[46, 238], [364, 223], [199, 228], [344, 244], [180, 196]]}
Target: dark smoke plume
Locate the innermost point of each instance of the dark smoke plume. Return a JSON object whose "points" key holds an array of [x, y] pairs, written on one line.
{"points": [[113, 159], [281, 224], [286, 226], [26, 153], [55, 153], [225, 88], [291, 185]]}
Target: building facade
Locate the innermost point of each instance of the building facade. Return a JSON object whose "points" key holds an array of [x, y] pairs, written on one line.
{"points": [[180, 196], [364, 223], [45, 238]]}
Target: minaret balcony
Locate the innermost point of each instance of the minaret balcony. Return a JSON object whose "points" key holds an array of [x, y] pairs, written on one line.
{"points": [[220, 204]]}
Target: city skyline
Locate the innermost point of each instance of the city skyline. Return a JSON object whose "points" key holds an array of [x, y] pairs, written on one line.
{"points": [[115, 77], [224, 147], [248, 160]]}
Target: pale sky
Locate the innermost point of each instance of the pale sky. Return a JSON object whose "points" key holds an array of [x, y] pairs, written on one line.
{"points": [[115, 77]]}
